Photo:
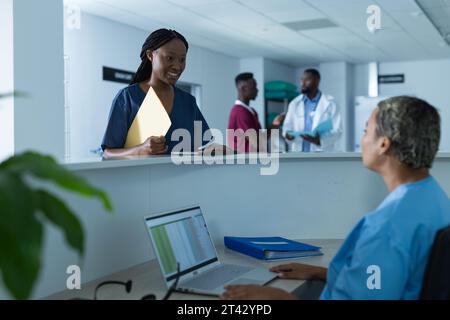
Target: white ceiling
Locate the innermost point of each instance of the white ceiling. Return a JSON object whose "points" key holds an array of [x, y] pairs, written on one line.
{"points": [[250, 28], [439, 13]]}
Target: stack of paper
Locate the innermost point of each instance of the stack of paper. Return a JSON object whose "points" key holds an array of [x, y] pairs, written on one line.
{"points": [[151, 120]]}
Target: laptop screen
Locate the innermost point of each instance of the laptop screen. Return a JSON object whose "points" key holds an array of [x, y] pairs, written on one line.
{"points": [[182, 237]]}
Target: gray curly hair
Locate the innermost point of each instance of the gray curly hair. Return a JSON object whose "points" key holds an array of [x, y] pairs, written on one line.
{"points": [[414, 128]]}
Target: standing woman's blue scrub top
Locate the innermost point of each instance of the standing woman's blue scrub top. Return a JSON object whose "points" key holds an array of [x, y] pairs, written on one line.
{"points": [[126, 105], [397, 238]]}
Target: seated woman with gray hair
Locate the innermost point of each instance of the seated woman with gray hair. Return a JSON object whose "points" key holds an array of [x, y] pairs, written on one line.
{"points": [[385, 255]]}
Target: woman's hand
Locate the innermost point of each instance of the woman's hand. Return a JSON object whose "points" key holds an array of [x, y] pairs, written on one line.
{"points": [[253, 292], [300, 271], [153, 146]]}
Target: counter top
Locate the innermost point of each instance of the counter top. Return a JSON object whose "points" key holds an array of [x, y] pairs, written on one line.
{"points": [[99, 163]]}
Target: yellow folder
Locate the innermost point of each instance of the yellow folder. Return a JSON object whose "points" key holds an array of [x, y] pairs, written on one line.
{"points": [[151, 120]]}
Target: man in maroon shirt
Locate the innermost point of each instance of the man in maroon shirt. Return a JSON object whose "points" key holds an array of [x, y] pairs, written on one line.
{"points": [[244, 117]]}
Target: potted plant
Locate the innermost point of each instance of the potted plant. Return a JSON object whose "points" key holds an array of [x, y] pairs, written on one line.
{"points": [[25, 207]]}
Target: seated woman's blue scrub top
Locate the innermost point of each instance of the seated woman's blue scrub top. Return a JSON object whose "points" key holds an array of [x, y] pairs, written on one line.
{"points": [[396, 238], [126, 105]]}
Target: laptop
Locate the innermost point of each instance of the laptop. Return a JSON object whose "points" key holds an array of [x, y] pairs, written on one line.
{"points": [[181, 241]]}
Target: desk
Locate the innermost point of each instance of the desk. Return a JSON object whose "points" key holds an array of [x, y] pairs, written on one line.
{"points": [[147, 278]]}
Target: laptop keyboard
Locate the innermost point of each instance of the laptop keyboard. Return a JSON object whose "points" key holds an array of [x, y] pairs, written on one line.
{"points": [[217, 277]]}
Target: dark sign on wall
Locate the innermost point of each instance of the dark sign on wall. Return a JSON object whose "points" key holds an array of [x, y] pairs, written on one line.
{"points": [[391, 78], [116, 75]]}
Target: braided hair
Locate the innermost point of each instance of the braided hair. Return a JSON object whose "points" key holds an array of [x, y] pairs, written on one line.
{"points": [[154, 41]]}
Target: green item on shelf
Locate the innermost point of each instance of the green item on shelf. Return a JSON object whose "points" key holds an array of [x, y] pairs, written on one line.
{"points": [[280, 95], [280, 86]]}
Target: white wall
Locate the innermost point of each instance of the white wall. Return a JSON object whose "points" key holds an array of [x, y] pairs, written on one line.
{"points": [[6, 79], [361, 80], [102, 42], [335, 81], [277, 71], [39, 72], [31, 61], [349, 136]]}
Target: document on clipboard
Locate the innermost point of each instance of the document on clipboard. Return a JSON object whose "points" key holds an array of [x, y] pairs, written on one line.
{"points": [[151, 120]]}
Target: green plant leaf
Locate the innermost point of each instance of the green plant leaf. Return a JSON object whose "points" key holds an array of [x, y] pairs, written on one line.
{"points": [[21, 232], [20, 236], [45, 167], [59, 214]]}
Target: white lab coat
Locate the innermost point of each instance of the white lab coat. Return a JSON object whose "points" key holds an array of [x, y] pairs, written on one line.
{"points": [[295, 121]]}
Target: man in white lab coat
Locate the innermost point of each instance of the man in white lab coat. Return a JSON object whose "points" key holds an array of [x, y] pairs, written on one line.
{"points": [[307, 113]]}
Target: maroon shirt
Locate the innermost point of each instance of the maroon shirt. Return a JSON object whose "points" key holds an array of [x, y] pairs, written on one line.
{"points": [[242, 118]]}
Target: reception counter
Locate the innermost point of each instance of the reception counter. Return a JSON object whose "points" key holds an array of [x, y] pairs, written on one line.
{"points": [[311, 196]]}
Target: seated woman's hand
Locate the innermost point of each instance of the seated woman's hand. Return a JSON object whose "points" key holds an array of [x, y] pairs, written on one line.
{"points": [[253, 292], [153, 146], [300, 271]]}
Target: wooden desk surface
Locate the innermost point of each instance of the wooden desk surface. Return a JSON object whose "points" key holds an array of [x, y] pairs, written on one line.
{"points": [[147, 277]]}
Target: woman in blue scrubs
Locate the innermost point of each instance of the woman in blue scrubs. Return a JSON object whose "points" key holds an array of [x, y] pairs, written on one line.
{"points": [[163, 58], [385, 255]]}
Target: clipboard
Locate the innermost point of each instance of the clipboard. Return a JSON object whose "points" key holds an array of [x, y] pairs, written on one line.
{"points": [[151, 120]]}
